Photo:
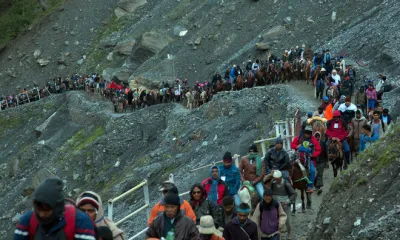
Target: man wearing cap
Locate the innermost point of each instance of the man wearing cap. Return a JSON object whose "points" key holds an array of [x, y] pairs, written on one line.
{"points": [[252, 169], [172, 220], [231, 176], [215, 187], [284, 193], [51, 217], [207, 229], [241, 227], [325, 102], [277, 159], [91, 204], [299, 145], [342, 100], [269, 217], [159, 208], [336, 130]]}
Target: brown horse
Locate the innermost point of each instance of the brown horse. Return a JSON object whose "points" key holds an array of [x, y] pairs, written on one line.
{"points": [[219, 87], [239, 82], [335, 156], [271, 73], [260, 76], [287, 72], [300, 183], [249, 83]]}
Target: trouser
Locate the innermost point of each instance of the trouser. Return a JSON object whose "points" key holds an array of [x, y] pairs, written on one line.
{"points": [[237, 200], [356, 144], [319, 92], [260, 189], [286, 208], [319, 179], [312, 175], [275, 237]]}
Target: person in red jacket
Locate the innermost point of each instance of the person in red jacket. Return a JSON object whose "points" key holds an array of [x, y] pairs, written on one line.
{"points": [[336, 130], [298, 145], [215, 187]]}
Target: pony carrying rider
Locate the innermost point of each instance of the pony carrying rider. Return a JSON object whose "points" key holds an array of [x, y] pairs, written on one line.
{"points": [[302, 145]]}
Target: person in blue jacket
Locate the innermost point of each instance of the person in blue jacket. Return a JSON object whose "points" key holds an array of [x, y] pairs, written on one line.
{"points": [[367, 138], [52, 218], [230, 174]]}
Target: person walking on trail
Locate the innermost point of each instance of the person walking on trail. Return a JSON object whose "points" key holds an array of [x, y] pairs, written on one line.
{"points": [[203, 206], [52, 218], [91, 204], [231, 176], [284, 193], [173, 222], [385, 116], [277, 159], [321, 161], [159, 208], [215, 187], [378, 126], [207, 229], [228, 212], [358, 123], [336, 130], [241, 227], [269, 217], [319, 83], [252, 169], [298, 144], [361, 98], [304, 124], [371, 98], [367, 138]]}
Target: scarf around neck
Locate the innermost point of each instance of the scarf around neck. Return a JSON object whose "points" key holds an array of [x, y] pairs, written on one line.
{"points": [[257, 158]]}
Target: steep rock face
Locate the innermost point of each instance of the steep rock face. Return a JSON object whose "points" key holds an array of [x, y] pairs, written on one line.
{"points": [[362, 202]]}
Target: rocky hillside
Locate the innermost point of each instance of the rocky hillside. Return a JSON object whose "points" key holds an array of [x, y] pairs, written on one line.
{"points": [[363, 201], [131, 39], [84, 143]]}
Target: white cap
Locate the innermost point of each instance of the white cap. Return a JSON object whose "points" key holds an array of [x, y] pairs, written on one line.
{"points": [[277, 174]]}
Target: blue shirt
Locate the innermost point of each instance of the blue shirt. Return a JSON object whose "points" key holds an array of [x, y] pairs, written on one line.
{"points": [[232, 178]]}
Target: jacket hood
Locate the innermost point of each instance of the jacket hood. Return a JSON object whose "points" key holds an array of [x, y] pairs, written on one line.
{"points": [[362, 115], [100, 220], [203, 192], [219, 172], [50, 192]]}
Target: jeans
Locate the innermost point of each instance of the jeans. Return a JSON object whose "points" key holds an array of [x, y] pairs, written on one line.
{"points": [[275, 237], [237, 200], [260, 189], [312, 175]]}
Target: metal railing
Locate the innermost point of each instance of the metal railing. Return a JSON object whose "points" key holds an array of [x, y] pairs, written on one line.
{"points": [[146, 205]]}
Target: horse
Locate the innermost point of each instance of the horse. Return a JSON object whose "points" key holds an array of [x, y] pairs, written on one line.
{"points": [[287, 72], [239, 82], [300, 183], [335, 156], [260, 76], [307, 71], [318, 124], [219, 87], [249, 82], [271, 73]]}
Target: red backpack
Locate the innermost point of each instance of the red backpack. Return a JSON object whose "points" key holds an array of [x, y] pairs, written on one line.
{"points": [[69, 228]]}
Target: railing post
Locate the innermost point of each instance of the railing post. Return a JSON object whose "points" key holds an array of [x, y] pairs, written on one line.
{"points": [[110, 210], [264, 148], [147, 198], [288, 140], [236, 160], [277, 129]]}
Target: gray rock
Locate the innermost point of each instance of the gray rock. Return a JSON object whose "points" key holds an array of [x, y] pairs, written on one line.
{"points": [[274, 32], [125, 47], [151, 43], [75, 176], [40, 176], [263, 46], [126, 7], [205, 143], [11, 72], [37, 53], [79, 62], [55, 26], [122, 75], [178, 155], [43, 62], [61, 60], [197, 41], [13, 166], [327, 221]]}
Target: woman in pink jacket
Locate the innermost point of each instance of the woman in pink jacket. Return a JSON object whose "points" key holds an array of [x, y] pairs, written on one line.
{"points": [[371, 97]]}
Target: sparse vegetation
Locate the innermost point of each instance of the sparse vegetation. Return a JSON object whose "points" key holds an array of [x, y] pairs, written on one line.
{"points": [[81, 139]]}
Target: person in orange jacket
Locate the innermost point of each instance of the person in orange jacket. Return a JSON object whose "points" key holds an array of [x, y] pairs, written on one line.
{"points": [[158, 209]]}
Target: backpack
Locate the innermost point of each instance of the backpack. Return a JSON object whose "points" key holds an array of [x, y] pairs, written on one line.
{"points": [[69, 228]]}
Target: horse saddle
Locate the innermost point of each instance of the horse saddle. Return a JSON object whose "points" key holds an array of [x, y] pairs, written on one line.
{"points": [[302, 168]]}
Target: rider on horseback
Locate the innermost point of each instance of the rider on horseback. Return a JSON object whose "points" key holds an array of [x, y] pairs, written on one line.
{"points": [[336, 130], [299, 143], [277, 159]]}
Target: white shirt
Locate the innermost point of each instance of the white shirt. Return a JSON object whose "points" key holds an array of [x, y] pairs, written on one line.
{"points": [[344, 108], [336, 78]]}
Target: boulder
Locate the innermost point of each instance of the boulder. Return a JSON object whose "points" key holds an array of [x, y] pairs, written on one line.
{"points": [[111, 40], [143, 82], [108, 74], [13, 166], [151, 43], [37, 53], [274, 32], [122, 75], [125, 47], [263, 46], [43, 62], [131, 5]]}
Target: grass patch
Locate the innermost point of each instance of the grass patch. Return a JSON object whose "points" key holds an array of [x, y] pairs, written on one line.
{"points": [[7, 123], [21, 15], [80, 140], [362, 181]]}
